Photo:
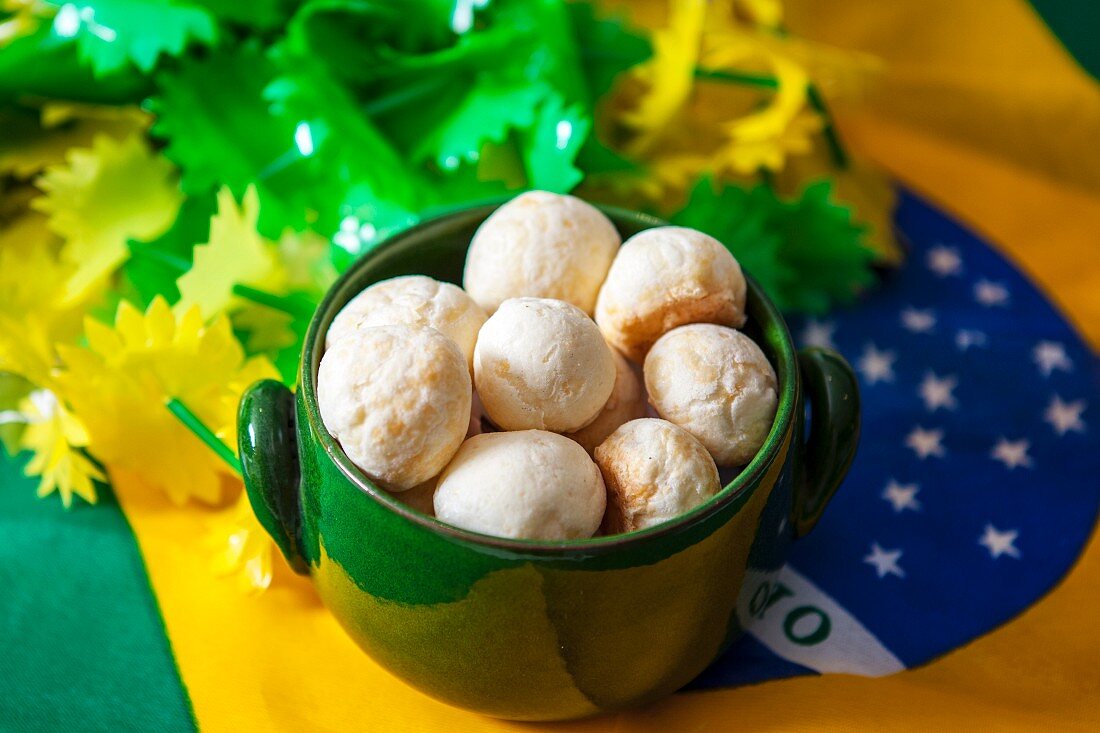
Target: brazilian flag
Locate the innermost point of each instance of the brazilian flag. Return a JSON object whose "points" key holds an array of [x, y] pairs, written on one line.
{"points": [[112, 619]]}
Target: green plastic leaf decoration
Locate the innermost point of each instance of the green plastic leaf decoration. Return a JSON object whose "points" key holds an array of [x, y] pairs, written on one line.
{"points": [[154, 266], [275, 334], [489, 180], [549, 134], [486, 114], [807, 254], [501, 163], [551, 147], [360, 39], [824, 245], [504, 73], [549, 49], [255, 14], [608, 47], [217, 124], [351, 171], [220, 131], [46, 65], [596, 158], [544, 50], [110, 34]]}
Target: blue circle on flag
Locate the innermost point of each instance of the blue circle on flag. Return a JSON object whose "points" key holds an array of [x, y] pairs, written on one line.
{"points": [[976, 483]]}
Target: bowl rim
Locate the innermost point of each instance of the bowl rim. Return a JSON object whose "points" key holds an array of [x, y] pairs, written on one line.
{"points": [[772, 325]]}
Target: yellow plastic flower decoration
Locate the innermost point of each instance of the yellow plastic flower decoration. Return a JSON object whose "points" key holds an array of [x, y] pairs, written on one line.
{"points": [[783, 126], [729, 44], [668, 75], [101, 198], [15, 200], [836, 72], [766, 143], [24, 19], [241, 547], [668, 174], [56, 438], [728, 94], [33, 142], [764, 13], [33, 313], [236, 253], [120, 384], [306, 262]]}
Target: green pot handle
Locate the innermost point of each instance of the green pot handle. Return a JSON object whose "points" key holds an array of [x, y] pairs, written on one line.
{"points": [[268, 445], [832, 393]]}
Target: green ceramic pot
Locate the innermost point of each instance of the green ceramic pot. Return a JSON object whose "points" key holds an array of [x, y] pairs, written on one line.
{"points": [[538, 630]]}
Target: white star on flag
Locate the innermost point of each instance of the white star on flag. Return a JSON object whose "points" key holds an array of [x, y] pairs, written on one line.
{"points": [[999, 543], [1012, 453], [990, 293], [918, 321], [818, 333], [937, 392], [944, 261], [965, 338], [885, 562], [1065, 416], [925, 442], [1050, 355], [875, 365], [902, 496]]}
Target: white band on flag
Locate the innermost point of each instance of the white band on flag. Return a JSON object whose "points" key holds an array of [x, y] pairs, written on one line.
{"points": [[800, 623]]}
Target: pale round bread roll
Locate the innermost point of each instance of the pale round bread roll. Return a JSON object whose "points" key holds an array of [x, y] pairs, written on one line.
{"points": [[542, 245], [654, 471], [542, 364], [627, 402], [397, 398], [663, 278], [717, 384], [412, 300], [529, 484]]}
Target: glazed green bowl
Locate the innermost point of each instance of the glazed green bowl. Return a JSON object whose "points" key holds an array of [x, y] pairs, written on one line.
{"points": [[525, 629]]}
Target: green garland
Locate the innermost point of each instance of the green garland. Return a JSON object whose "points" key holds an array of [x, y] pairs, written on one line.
{"points": [[354, 119]]}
